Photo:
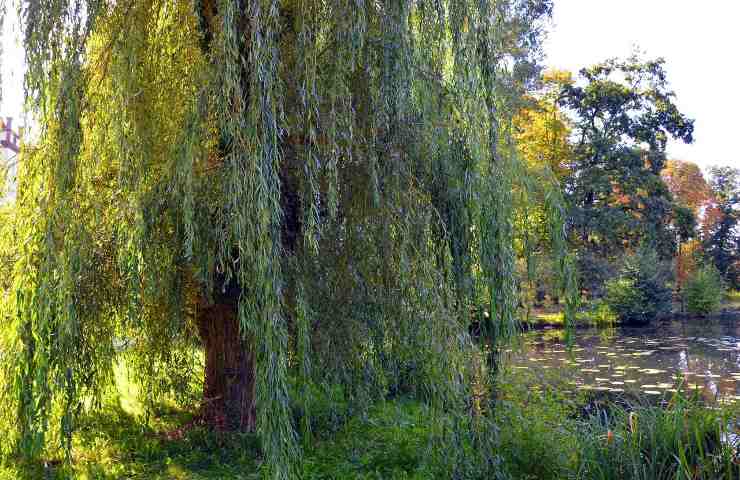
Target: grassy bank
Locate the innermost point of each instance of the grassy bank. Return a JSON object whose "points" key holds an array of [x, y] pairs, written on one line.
{"points": [[597, 315], [540, 433], [732, 300], [557, 320], [117, 445]]}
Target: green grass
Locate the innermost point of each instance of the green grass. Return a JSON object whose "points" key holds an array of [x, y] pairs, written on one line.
{"points": [[121, 442], [597, 315], [557, 319], [539, 420], [114, 444], [554, 319], [621, 438], [683, 441], [732, 299], [541, 432], [390, 444]]}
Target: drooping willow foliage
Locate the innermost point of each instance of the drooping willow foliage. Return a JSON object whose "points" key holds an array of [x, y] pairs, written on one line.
{"points": [[349, 164]]}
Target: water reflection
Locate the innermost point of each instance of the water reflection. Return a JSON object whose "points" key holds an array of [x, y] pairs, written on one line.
{"points": [[700, 354]]}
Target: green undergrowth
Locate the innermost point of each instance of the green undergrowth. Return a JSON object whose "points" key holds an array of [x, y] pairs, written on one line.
{"points": [[591, 435], [115, 444], [538, 420], [599, 315], [682, 441], [543, 431], [392, 442], [389, 443]]}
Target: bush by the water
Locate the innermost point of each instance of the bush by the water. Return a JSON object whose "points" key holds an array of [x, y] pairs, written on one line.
{"points": [[641, 292], [602, 315], [703, 293]]}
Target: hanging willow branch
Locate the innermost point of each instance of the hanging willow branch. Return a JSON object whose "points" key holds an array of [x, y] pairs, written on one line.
{"points": [[345, 166]]}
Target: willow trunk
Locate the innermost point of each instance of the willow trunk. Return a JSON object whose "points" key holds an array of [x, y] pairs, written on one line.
{"points": [[229, 383]]}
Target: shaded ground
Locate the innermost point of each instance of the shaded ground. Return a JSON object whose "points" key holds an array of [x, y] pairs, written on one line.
{"points": [[565, 429], [116, 445]]}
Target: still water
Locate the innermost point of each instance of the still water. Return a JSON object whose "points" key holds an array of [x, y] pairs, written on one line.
{"points": [[700, 355]]}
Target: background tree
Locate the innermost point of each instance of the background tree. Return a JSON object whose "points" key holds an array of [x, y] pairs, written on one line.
{"points": [[721, 237], [542, 131], [622, 114], [687, 184], [704, 291], [542, 135], [691, 193], [640, 293]]}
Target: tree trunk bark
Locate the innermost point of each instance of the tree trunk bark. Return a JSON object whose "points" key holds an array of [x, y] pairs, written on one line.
{"points": [[229, 383]]}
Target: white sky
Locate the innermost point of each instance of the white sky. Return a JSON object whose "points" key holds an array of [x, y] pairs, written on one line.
{"points": [[700, 42], [11, 63]]}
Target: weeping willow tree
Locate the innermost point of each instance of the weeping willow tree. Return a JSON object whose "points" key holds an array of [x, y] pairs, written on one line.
{"points": [[312, 193]]}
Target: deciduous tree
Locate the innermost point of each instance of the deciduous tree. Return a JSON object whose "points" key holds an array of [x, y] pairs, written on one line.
{"points": [[311, 193], [721, 237], [687, 184], [623, 114]]}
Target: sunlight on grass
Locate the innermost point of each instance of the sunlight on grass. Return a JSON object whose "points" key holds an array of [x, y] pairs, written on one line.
{"points": [[598, 315], [128, 392], [732, 298], [393, 441], [550, 318]]}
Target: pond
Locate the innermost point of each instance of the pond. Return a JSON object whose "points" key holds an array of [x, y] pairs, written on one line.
{"points": [[702, 355]]}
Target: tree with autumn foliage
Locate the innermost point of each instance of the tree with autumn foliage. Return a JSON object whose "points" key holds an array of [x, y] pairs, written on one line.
{"points": [[622, 113], [542, 135], [692, 195], [687, 184], [542, 131]]}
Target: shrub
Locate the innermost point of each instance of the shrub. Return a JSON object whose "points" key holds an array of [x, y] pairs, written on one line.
{"points": [[624, 298], [602, 315], [703, 292], [641, 292]]}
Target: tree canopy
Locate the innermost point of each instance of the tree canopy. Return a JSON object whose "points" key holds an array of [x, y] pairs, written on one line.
{"points": [[687, 184], [721, 236], [623, 114], [311, 193]]}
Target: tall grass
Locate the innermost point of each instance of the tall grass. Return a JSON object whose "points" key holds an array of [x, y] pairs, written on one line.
{"points": [[548, 431], [537, 421], [683, 441]]}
